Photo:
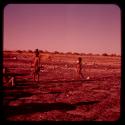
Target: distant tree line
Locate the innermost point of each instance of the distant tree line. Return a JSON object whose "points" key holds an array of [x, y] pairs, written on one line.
{"points": [[70, 53]]}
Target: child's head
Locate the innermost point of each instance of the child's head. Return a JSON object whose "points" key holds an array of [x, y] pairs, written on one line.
{"points": [[80, 59], [36, 52]]}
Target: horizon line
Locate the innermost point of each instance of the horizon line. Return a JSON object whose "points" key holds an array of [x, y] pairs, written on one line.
{"points": [[61, 51]]}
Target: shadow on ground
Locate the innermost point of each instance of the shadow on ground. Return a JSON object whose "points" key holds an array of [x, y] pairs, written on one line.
{"points": [[10, 96], [43, 107], [65, 81]]}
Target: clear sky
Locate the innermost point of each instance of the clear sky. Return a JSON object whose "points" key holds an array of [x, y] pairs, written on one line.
{"points": [[84, 28]]}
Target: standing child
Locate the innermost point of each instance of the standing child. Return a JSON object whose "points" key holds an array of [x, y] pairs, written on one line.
{"points": [[36, 66], [79, 68]]}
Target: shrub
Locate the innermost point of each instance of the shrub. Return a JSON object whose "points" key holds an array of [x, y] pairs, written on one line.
{"points": [[19, 51], [76, 53], [104, 54], [89, 54], [113, 55], [56, 52], [69, 53], [30, 51], [41, 51]]}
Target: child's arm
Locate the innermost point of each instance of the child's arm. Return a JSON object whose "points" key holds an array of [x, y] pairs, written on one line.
{"points": [[33, 62], [39, 62]]}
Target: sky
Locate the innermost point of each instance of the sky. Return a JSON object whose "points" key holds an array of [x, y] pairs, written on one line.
{"points": [[82, 28]]}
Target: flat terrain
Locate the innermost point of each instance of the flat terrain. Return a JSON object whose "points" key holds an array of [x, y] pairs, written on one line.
{"points": [[60, 96]]}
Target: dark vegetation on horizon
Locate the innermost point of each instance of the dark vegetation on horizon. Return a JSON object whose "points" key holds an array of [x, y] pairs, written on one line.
{"points": [[69, 53]]}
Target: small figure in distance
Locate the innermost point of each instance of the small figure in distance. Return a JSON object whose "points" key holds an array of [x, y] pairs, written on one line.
{"points": [[79, 68], [8, 78], [36, 66]]}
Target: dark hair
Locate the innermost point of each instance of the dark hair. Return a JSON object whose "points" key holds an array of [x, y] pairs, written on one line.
{"points": [[36, 52], [80, 59]]}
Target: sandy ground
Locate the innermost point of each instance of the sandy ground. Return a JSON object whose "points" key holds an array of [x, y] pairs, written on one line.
{"points": [[60, 96]]}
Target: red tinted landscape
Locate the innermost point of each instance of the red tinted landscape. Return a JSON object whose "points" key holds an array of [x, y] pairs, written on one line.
{"points": [[60, 96]]}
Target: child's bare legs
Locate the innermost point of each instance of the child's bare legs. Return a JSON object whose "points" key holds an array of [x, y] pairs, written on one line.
{"points": [[37, 77], [34, 76], [80, 75], [11, 80]]}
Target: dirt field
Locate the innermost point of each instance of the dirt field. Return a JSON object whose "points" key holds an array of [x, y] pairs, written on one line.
{"points": [[60, 96]]}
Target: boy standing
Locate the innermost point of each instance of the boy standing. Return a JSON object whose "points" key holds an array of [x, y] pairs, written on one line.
{"points": [[36, 66], [79, 68]]}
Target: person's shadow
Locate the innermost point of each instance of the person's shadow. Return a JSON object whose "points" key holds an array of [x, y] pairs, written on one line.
{"points": [[43, 107]]}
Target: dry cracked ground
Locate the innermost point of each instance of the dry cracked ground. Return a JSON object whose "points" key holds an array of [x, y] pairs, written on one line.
{"points": [[59, 96]]}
